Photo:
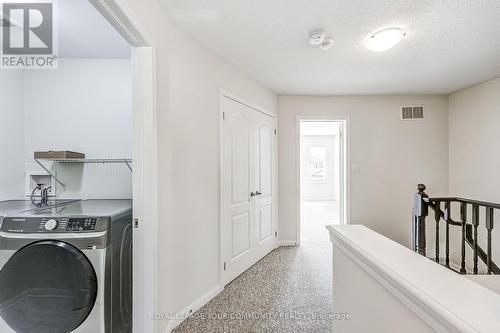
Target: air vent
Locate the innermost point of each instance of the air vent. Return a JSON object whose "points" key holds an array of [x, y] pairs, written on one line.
{"points": [[412, 112]]}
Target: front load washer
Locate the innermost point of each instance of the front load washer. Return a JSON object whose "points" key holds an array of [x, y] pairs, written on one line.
{"points": [[67, 269]]}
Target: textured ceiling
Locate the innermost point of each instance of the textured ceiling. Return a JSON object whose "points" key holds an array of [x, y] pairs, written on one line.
{"points": [[451, 44]]}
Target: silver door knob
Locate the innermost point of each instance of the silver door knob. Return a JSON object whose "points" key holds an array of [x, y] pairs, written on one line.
{"points": [[252, 194], [258, 193]]}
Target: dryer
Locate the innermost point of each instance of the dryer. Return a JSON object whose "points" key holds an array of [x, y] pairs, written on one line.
{"points": [[67, 269]]}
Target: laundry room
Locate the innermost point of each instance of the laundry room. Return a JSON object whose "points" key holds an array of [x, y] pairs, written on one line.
{"points": [[66, 145], [84, 106]]}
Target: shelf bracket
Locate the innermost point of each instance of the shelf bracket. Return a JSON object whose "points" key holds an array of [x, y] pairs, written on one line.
{"points": [[128, 164], [49, 172]]}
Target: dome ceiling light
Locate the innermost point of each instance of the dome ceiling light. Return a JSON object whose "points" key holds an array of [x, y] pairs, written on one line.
{"points": [[384, 40]]}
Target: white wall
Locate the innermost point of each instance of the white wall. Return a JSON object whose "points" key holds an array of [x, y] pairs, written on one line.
{"points": [[188, 80], [11, 136], [474, 120], [86, 106], [352, 283], [393, 155], [197, 76]]}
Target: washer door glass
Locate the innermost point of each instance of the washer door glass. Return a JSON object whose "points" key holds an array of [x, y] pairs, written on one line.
{"points": [[47, 287]]}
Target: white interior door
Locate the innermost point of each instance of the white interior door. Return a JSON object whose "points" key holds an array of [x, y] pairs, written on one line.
{"points": [[248, 199], [264, 183], [237, 184]]}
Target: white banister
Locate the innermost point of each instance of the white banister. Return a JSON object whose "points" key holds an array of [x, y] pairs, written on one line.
{"points": [[383, 286]]}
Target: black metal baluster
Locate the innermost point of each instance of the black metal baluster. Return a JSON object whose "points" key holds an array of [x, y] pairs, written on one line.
{"points": [[475, 223], [489, 227], [447, 218], [463, 217], [437, 216]]}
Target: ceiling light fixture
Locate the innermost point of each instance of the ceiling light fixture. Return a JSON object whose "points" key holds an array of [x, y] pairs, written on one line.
{"points": [[385, 39]]}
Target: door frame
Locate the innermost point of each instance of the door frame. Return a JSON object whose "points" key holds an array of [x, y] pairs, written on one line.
{"points": [[227, 94], [145, 191], [345, 164]]}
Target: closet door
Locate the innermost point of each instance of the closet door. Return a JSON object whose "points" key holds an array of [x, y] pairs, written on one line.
{"points": [[264, 184], [248, 189], [238, 164]]}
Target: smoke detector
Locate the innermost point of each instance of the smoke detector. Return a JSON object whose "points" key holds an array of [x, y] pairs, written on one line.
{"points": [[320, 39], [327, 43], [317, 37]]}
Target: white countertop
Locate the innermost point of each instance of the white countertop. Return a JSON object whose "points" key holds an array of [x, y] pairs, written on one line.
{"points": [[456, 299]]}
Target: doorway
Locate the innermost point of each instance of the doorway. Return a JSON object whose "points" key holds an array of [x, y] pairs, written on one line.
{"points": [[144, 155], [322, 177], [100, 101]]}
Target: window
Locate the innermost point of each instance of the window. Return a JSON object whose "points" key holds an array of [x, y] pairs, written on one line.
{"points": [[317, 163]]}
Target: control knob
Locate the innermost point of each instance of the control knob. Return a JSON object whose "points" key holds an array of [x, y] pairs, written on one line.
{"points": [[51, 224]]}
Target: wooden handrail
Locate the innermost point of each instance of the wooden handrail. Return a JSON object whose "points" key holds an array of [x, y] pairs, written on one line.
{"points": [[463, 200]]}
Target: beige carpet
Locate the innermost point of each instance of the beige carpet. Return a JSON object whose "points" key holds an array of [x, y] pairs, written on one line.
{"points": [[287, 291]]}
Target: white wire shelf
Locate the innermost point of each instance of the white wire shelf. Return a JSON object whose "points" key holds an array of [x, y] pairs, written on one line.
{"points": [[126, 161], [86, 160]]}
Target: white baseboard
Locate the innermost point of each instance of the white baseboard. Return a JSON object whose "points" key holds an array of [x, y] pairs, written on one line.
{"points": [[193, 307], [288, 243]]}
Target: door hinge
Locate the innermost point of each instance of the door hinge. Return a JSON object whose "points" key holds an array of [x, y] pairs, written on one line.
{"points": [[136, 223], [275, 131], [224, 266], [275, 234], [223, 116]]}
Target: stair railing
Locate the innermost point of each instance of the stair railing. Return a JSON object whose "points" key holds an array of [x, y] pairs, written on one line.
{"points": [[442, 211]]}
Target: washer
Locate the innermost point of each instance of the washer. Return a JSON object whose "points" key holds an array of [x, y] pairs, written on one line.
{"points": [[67, 268]]}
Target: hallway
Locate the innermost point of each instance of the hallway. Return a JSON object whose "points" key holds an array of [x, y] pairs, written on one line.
{"points": [[289, 290], [314, 216]]}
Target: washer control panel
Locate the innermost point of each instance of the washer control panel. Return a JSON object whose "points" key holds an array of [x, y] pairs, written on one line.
{"points": [[50, 224], [54, 224]]}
